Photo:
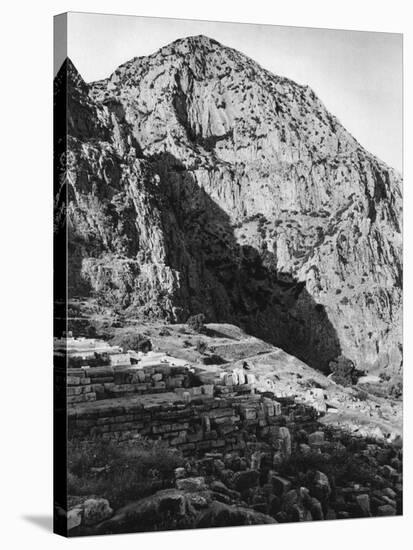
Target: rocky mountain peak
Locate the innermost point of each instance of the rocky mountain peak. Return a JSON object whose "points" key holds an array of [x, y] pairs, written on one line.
{"points": [[72, 76], [196, 42], [202, 182]]}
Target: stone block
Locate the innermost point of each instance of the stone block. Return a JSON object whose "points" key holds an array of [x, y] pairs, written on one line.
{"points": [[73, 380], [180, 473], [316, 439], [191, 484], [206, 423], [256, 460], [208, 389], [76, 372], [363, 502], [279, 484], [285, 437], [74, 518], [249, 414], [386, 510], [245, 480], [73, 390], [96, 510], [277, 408]]}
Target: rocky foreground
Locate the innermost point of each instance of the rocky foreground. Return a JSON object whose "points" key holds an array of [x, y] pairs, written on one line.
{"points": [[237, 432]]}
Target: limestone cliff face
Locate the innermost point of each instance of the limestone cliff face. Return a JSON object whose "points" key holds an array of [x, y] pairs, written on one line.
{"points": [[199, 181]]}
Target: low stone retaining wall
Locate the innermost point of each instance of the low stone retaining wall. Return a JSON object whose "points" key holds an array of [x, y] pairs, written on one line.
{"points": [[89, 384], [203, 424]]}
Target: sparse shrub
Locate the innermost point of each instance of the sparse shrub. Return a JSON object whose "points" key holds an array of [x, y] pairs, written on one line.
{"points": [[362, 395], [396, 390], [120, 474], [197, 322], [213, 359], [344, 371], [164, 332], [201, 346], [133, 341], [341, 466]]}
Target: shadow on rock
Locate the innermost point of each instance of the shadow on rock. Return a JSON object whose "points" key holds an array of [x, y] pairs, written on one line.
{"points": [[235, 283]]}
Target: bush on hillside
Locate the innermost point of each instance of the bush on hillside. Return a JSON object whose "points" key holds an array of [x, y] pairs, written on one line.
{"points": [[197, 322], [344, 372], [121, 474], [133, 341]]}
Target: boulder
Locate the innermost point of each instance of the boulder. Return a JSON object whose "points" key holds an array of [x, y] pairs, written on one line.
{"points": [[321, 487], [191, 484], [305, 449], [223, 515], [219, 487], [363, 503], [316, 439], [96, 510], [285, 437], [386, 510], [245, 480], [180, 473], [256, 460], [316, 509], [280, 484], [148, 513], [388, 492], [74, 518], [277, 459], [290, 499]]}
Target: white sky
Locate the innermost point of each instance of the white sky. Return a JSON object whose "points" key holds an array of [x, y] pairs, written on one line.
{"points": [[357, 75]]}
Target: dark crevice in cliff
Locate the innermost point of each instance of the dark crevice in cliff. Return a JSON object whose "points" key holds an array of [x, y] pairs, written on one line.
{"points": [[238, 284]]}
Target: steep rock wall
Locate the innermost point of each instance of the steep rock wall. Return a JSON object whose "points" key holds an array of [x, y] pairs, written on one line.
{"points": [[201, 182]]}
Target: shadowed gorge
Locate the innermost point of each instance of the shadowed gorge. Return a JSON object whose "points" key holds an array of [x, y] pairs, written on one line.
{"points": [[236, 283]]}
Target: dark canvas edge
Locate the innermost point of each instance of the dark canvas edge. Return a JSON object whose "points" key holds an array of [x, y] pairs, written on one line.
{"points": [[59, 276]]}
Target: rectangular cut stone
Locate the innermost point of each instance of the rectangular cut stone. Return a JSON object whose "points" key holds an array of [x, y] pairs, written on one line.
{"points": [[241, 376], [74, 390], [269, 406], [250, 414], [208, 389], [76, 372], [277, 408]]}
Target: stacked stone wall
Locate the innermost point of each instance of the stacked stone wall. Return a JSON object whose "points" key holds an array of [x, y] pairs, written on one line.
{"points": [[200, 425]]}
